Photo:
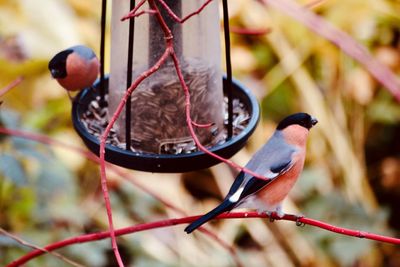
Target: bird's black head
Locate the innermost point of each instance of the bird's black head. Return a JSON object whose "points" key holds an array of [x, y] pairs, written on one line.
{"points": [[302, 119], [58, 64]]}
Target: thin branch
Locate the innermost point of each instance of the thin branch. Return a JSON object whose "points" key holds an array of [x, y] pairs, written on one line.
{"points": [[103, 139], [314, 3], [182, 20], [202, 229], [127, 176], [189, 123], [169, 52], [201, 125], [249, 31], [27, 244], [342, 40], [236, 30], [170, 47], [132, 13], [138, 14], [316, 223], [172, 222], [103, 176], [11, 85]]}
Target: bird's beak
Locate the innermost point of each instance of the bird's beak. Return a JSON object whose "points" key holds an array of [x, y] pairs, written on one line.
{"points": [[313, 121]]}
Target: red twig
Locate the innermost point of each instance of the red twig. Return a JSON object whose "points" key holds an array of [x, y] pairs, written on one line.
{"points": [[200, 125], [314, 3], [30, 245], [172, 222], [90, 156], [113, 119], [170, 47], [169, 51], [192, 132], [138, 14], [182, 20], [329, 227], [249, 31], [10, 86], [49, 141], [103, 139], [342, 40], [202, 229], [133, 11]]}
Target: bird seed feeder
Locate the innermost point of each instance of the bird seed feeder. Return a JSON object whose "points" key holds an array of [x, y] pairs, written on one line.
{"points": [[152, 132]]}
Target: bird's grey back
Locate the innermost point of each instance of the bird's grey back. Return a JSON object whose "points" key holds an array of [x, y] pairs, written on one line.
{"points": [[83, 51]]}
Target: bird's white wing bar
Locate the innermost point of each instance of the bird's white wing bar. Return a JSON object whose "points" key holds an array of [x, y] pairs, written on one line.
{"points": [[271, 175], [236, 196]]}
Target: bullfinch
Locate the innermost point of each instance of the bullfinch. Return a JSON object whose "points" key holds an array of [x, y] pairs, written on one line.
{"points": [[75, 68], [280, 160]]}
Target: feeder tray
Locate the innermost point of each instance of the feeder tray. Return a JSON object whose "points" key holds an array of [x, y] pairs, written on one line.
{"points": [[165, 163]]}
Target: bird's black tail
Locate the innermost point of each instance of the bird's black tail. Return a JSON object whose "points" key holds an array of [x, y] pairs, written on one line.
{"points": [[226, 205]]}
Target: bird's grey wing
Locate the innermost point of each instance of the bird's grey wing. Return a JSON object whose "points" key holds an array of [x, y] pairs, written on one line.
{"points": [[254, 184], [270, 161], [241, 189], [273, 158]]}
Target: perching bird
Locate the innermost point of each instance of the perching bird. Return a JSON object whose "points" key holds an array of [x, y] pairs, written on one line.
{"points": [[280, 160], [75, 68]]}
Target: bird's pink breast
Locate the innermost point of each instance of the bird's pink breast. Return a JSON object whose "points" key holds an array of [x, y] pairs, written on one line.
{"points": [[80, 73], [275, 192]]}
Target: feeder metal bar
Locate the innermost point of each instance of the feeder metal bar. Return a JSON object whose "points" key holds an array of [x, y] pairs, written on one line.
{"points": [[228, 67], [129, 79], [102, 49]]}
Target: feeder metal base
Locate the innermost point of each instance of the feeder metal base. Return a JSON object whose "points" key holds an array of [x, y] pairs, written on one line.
{"points": [[164, 163]]}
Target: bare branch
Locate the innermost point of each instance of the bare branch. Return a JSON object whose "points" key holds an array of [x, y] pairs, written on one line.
{"points": [[342, 40], [172, 222], [27, 244], [127, 176], [182, 20], [11, 85], [133, 11]]}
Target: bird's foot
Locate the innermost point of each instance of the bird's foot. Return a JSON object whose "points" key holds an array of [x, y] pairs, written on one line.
{"points": [[272, 215], [298, 220]]}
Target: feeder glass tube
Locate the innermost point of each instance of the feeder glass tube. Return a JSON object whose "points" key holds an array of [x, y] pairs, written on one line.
{"points": [[158, 120]]}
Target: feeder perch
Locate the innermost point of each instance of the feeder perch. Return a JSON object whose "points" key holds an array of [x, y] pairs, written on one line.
{"points": [[152, 132]]}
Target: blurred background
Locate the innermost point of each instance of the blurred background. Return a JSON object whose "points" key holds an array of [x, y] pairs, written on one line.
{"points": [[352, 173]]}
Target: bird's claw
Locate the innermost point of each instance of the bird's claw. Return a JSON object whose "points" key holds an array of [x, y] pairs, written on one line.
{"points": [[270, 216], [275, 214], [298, 222]]}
